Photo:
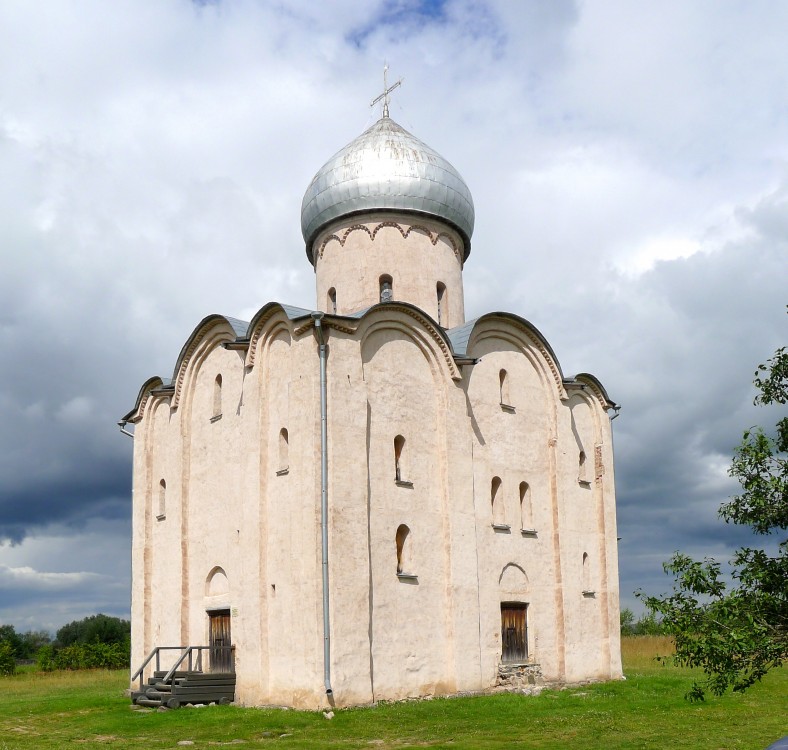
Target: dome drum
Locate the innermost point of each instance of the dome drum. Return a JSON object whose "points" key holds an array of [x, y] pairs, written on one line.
{"points": [[420, 255]]}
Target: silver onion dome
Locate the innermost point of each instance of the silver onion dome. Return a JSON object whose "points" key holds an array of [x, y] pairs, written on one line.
{"points": [[386, 168]]}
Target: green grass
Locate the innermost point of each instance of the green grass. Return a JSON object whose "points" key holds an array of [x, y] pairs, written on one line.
{"points": [[88, 710]]}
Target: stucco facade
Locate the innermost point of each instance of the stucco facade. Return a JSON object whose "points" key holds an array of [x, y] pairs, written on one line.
{"points": [[469, 495]]}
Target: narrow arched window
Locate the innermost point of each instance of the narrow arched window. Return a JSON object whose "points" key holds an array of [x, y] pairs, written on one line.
{"points": [[403, 550], [581, 468], [399, 458], [443, 318], [162, 509], [284, 451], [386, 288], [217, 397], [586, 579], [332, 301], [496, 501], [503, 388], [526, 511]]}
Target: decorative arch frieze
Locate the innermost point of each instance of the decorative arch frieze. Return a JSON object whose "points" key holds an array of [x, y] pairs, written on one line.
{"points": [[432, 339], [213, 331], [403, 229], [529, 342], [595, 387], [260, 329], [427, 325], [143, 398], [276, 330]]}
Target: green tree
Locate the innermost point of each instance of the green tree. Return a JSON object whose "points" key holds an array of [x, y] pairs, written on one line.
{"points": [[737, 632], [627, 619], [12, 639], [32, 641], [7, 659], [94, 629]]}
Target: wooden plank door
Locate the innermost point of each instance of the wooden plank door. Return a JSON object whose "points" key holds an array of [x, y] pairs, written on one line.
{"points": [[514, 632], [220, 642]]}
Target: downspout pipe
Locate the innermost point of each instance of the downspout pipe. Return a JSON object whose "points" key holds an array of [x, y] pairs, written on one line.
{"points": [[323, 354], [122, 424]]}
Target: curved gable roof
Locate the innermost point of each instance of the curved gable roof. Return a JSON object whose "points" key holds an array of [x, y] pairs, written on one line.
{"points": [[460, 337]]}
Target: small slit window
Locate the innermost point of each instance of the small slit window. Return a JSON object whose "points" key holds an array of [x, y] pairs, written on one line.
{"points": [[217, 398], [161, 512], [386, 288], [503, 388], [440, 291], [332, 301], [586, 575], [284, 452], [496, 501], [526, 511], [581, 467], [399, 459], [402, 539]]}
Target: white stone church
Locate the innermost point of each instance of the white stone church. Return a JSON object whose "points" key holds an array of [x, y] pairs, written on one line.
{"points": [[377, 498]]}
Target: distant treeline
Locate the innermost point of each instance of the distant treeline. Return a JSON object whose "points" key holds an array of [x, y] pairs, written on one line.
{"points": [[95, 642], [648, 624]]}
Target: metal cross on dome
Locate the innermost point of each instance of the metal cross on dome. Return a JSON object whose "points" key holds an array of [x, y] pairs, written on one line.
{"points": [[386, 91]]}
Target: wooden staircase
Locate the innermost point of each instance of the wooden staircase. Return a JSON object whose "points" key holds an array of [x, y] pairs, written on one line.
{"points": [[186, 687], [176, 688]]}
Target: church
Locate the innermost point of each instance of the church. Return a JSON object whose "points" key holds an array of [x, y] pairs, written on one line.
{"points": [[376, 499]]}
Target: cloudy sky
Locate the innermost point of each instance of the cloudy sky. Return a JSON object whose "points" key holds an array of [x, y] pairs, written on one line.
{"points": [[629, 165]]}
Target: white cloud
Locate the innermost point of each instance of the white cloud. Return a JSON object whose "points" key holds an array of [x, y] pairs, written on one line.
{"points": [[28, 578], [628, 164]]}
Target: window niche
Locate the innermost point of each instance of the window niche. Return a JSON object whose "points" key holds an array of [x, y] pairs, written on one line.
{"points": [[526, 511], [400, 463], [217, 399], [386, 284], [404, 561], [331, 305], [588, 592], [582, 470], [498, 509], [161, 510], [284, 453], [443, 313], [503, 390]]}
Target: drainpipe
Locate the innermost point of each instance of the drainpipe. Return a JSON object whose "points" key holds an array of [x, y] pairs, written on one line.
{"points": [[323, 353], [122, 424]]}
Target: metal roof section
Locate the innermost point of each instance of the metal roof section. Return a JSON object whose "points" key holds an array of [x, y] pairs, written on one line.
{"points": [[459, 337], [239, 326], [294, 313], [387, 168]]}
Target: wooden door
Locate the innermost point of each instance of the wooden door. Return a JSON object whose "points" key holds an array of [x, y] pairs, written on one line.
{"points": [[220, 642], [514, 632]]}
